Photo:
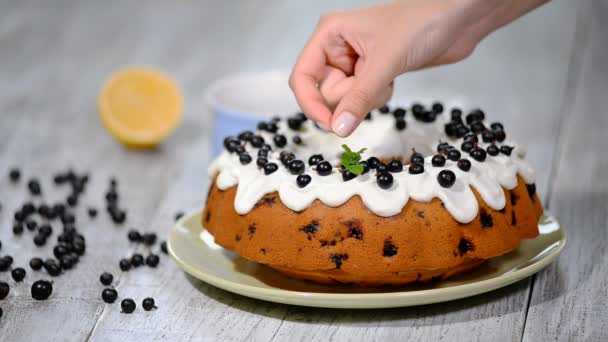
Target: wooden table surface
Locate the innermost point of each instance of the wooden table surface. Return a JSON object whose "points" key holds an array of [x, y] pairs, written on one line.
{"points": [[545, 77]]}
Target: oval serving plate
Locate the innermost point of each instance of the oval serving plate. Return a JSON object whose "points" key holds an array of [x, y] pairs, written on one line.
{"points": [[194, 250]]}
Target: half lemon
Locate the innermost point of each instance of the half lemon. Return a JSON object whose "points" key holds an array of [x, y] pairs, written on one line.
{"points": [[140, 106]]}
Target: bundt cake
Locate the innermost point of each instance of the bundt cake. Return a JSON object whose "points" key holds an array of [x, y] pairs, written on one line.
{"points": [[406, 198]]}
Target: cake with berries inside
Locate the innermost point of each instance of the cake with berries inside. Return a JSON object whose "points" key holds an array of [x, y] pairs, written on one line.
{"points": [[412, 195]]}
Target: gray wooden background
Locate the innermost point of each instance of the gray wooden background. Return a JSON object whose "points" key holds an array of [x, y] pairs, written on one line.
{"points": [[545, 76]]}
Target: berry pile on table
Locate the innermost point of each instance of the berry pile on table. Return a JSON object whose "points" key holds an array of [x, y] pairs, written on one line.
{"points": [[40, 219]]}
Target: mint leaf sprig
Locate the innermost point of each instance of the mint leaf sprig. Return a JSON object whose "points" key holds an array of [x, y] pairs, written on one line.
{"points": [[350, 160]]}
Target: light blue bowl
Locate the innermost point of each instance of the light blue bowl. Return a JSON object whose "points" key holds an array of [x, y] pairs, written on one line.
{"points": [[240, 101]]}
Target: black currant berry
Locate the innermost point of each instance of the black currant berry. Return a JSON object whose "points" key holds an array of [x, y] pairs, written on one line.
{"points": [[446, 178], [384, 180], [395, 166], [303, 180], [438, 160], [324, 168], [416, 168], [478, 154], [270, 168], [464, 164], [315, 159], [493, 150]]}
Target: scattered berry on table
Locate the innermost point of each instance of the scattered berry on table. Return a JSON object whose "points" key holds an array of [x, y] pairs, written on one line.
{"points": [[34, 186], [149, 239], [4, 289], [134, 236], [45, 230], [14, 175], [42, 289], [106, 278], [53, 269], [92, 212], [31, 225], [109, 295], [72, 200], [66, 262], [60, 250], [5, 263], [127, 305], [18, 228], [148, 304], [179, 215], [36, 264], [137, 260], [18, 274], [152, 260], [124, 264]]}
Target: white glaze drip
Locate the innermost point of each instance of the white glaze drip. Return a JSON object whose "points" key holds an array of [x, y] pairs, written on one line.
{"points": [[382, 140]]}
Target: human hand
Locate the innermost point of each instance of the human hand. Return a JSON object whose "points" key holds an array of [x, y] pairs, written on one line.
{"points": [[348, 66]]}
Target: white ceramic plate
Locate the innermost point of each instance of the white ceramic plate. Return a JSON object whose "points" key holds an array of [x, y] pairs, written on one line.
{"points": [[194, 250]]}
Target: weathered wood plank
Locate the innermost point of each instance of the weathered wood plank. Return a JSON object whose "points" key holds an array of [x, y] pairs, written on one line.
{"points": [[570, 299], [49, 115]]}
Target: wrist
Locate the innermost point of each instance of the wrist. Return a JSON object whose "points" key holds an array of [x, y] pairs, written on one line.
{"points": [[472, 10]]}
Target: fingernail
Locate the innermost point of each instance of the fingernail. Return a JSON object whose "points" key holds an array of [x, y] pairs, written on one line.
{"points": [[323, 126], [345, 124]]}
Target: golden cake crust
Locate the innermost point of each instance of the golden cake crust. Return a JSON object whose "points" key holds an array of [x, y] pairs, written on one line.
{"points": [[350, 244]]}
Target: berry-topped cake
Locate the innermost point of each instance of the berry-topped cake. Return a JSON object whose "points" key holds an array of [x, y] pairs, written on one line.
{"points": [[411, 195]]}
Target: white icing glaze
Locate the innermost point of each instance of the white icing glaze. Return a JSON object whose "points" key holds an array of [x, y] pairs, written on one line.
{"points": [[383, 141]]}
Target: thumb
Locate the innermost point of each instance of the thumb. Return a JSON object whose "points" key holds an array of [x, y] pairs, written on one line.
{"points": [[369, 90]]}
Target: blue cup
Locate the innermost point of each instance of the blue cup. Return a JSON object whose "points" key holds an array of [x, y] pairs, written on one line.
{"points": [[238, 102]]}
